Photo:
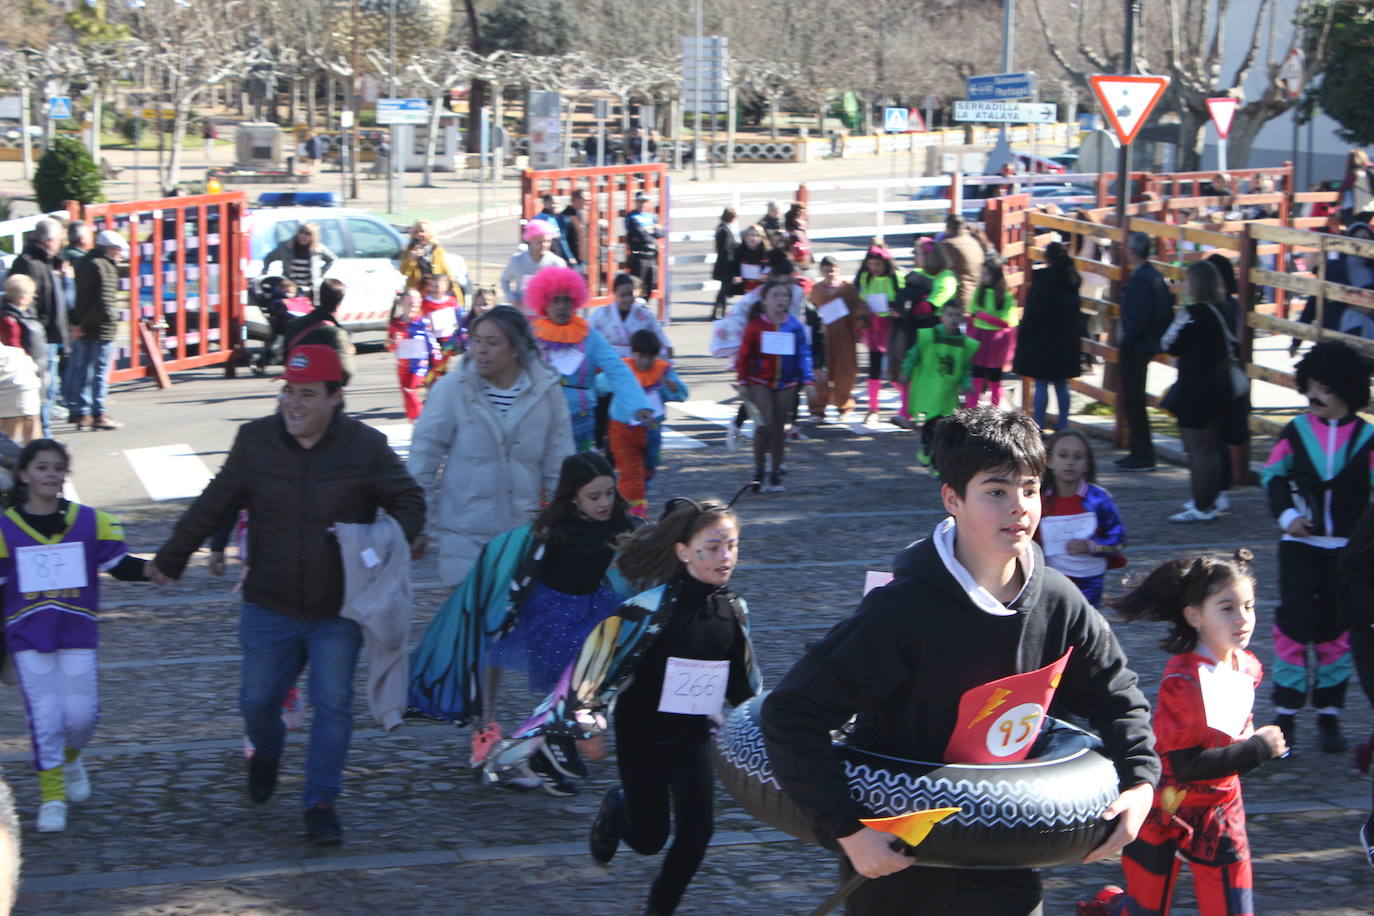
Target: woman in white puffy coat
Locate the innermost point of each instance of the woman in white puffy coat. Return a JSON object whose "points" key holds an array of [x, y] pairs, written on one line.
{"points": [[489, 443]]}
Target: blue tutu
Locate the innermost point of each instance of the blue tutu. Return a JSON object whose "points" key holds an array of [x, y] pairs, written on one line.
{"points": [[549, 632]]}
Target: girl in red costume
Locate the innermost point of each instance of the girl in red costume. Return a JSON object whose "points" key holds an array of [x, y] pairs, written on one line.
{"points": [[1206, 738]]}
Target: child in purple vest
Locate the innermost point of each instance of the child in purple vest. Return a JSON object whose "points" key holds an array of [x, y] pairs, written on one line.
{"points": [[51, 555]]}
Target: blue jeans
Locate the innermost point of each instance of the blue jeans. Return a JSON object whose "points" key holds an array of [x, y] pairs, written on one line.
{"points": [[88, 377], [1042, 401], [275, 650], [52, 386]]}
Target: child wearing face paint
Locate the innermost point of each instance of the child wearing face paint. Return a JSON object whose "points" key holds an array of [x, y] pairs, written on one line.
{"points": [[1318, 479], [51, 549], [972, 617], [1206, 739], [532, 597], [666, 662], [635, 447], [1080, 531]]}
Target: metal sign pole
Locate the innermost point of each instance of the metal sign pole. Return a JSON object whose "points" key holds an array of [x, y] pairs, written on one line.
{"points": [[700, 65], [403, 133], [483, 151]]}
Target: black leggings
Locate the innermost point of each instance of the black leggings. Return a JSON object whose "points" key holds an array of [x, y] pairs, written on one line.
{"points": [[992, 373], [651, 776], [875, 364]]}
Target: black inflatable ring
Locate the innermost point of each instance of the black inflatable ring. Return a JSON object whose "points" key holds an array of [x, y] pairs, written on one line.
{"points": [[1042, 811]]}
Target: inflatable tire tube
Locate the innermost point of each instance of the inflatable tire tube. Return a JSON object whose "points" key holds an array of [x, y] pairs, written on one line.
{"points": [[1045, 810]]}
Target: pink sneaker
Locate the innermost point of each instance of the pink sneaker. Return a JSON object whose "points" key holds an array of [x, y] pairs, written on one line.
{"points": [[483, 740], [1103, 902]]}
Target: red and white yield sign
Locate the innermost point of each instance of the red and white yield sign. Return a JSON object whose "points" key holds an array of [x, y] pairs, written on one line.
{"points": [[1223, 112], [1128, 100]]}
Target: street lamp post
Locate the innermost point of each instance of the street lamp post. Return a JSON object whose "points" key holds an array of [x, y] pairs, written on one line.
{"points": [[700, 62]]}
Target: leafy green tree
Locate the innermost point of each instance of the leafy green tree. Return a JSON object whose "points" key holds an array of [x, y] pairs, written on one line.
{"points": [[1344, 92], [536, 27], [66, 172]]}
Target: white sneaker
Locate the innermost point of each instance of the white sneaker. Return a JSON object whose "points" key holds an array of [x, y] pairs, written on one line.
{"points": [[77, 780], [1194, 514], [1222, 506], [732, 438], [52, 817]]}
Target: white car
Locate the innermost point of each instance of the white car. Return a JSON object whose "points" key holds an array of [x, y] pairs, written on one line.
{"points": [[367, 250]]}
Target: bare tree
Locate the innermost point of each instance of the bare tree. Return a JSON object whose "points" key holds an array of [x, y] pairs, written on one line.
{"points": [[770, 81], [438, 72], [1192, 35]]}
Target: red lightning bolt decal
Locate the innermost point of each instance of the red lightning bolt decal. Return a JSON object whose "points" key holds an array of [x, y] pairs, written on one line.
{"points": [[999, 696]]}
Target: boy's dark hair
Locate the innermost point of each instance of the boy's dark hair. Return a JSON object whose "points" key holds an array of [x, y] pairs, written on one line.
{"points": [[645, 341], [577, 471], [331, 294], [829, 261], [979, 439], [779, 262], [1178, 584], [1339, 367], [625, 280]]}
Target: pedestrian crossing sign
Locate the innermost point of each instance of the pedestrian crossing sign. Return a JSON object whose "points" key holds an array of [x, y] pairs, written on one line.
{"points": [[895, 120], [60, 107]]}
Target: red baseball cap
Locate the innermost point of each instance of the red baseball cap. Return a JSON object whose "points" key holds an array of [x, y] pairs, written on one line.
{"points": [[313, 363]]}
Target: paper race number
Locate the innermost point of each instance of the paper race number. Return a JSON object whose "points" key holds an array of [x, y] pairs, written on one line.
{"points": [[48, 567], [694, 687], [779, 343], [1014, 729], [412, 348]]}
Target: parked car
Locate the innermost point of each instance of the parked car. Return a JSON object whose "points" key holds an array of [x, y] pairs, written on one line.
{"points": [[368, 252], [1068, 197], [1040, 165]]}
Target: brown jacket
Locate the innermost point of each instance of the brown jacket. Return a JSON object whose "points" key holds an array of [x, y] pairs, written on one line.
{"points": [[965, 256], [293, 496]]}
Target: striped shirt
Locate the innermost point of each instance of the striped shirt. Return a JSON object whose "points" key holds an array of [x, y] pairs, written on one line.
{"points": [[502, 398]]}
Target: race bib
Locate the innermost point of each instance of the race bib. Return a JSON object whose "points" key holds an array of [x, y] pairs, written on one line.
{"points": [[49, 567], [445, 321], [833, 311], [999, 721], [875, 579], [566, 360], [877, 302], [750, 271], [1057, 530], [1228, 696], [694, 687], [412, 348], [779, 343], [655, 402]]}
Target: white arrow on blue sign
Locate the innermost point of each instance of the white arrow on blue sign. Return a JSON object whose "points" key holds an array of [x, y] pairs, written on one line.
{"points": [[59, 107], [895, 120]]}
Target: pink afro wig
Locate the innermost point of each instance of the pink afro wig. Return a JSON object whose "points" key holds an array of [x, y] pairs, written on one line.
{"points": [[555, 281]]}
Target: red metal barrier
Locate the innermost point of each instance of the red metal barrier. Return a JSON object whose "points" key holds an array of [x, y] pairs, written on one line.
{"points": [[610, 194], [189, 255]]}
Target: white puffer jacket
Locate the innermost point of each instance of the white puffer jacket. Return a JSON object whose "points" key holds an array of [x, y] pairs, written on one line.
{"points": [[483, 473]]}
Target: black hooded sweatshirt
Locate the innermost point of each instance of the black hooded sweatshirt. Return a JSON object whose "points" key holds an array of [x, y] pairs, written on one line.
{"points": [[904, 659]]}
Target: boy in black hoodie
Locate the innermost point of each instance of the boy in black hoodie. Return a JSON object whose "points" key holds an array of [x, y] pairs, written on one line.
{"points": [[971, 604]]}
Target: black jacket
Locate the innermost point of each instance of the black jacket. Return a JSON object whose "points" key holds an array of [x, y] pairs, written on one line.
{"points": [[912, 649], [1357, 574], [725, 269], [294, 495], [1196, 337], [1147, 307], [1048, 342], [49, 303], [96, 310], [570, 220]]}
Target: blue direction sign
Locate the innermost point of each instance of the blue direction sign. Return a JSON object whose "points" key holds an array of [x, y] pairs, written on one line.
{"points": [[1003, 86], [402, 111], [59, 107]]}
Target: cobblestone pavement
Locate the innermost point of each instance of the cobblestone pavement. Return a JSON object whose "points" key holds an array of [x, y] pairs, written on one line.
{"points": [[171, 830]]}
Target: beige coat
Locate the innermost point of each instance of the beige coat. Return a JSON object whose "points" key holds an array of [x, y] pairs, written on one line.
{"points": [[484, 473]]}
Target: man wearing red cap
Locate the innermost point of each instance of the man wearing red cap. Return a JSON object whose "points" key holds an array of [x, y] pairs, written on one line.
{"points": [[298, 472]]}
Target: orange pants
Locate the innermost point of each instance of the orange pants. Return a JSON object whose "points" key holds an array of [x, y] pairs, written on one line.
{"points": [[635, 450]]}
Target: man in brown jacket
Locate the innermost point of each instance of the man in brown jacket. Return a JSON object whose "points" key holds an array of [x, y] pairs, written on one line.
{"points": [[965, 256], [298, 472]]}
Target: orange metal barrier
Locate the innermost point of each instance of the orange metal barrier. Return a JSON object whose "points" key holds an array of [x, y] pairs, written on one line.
{"points": [[189, 255], [610, 194]]}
